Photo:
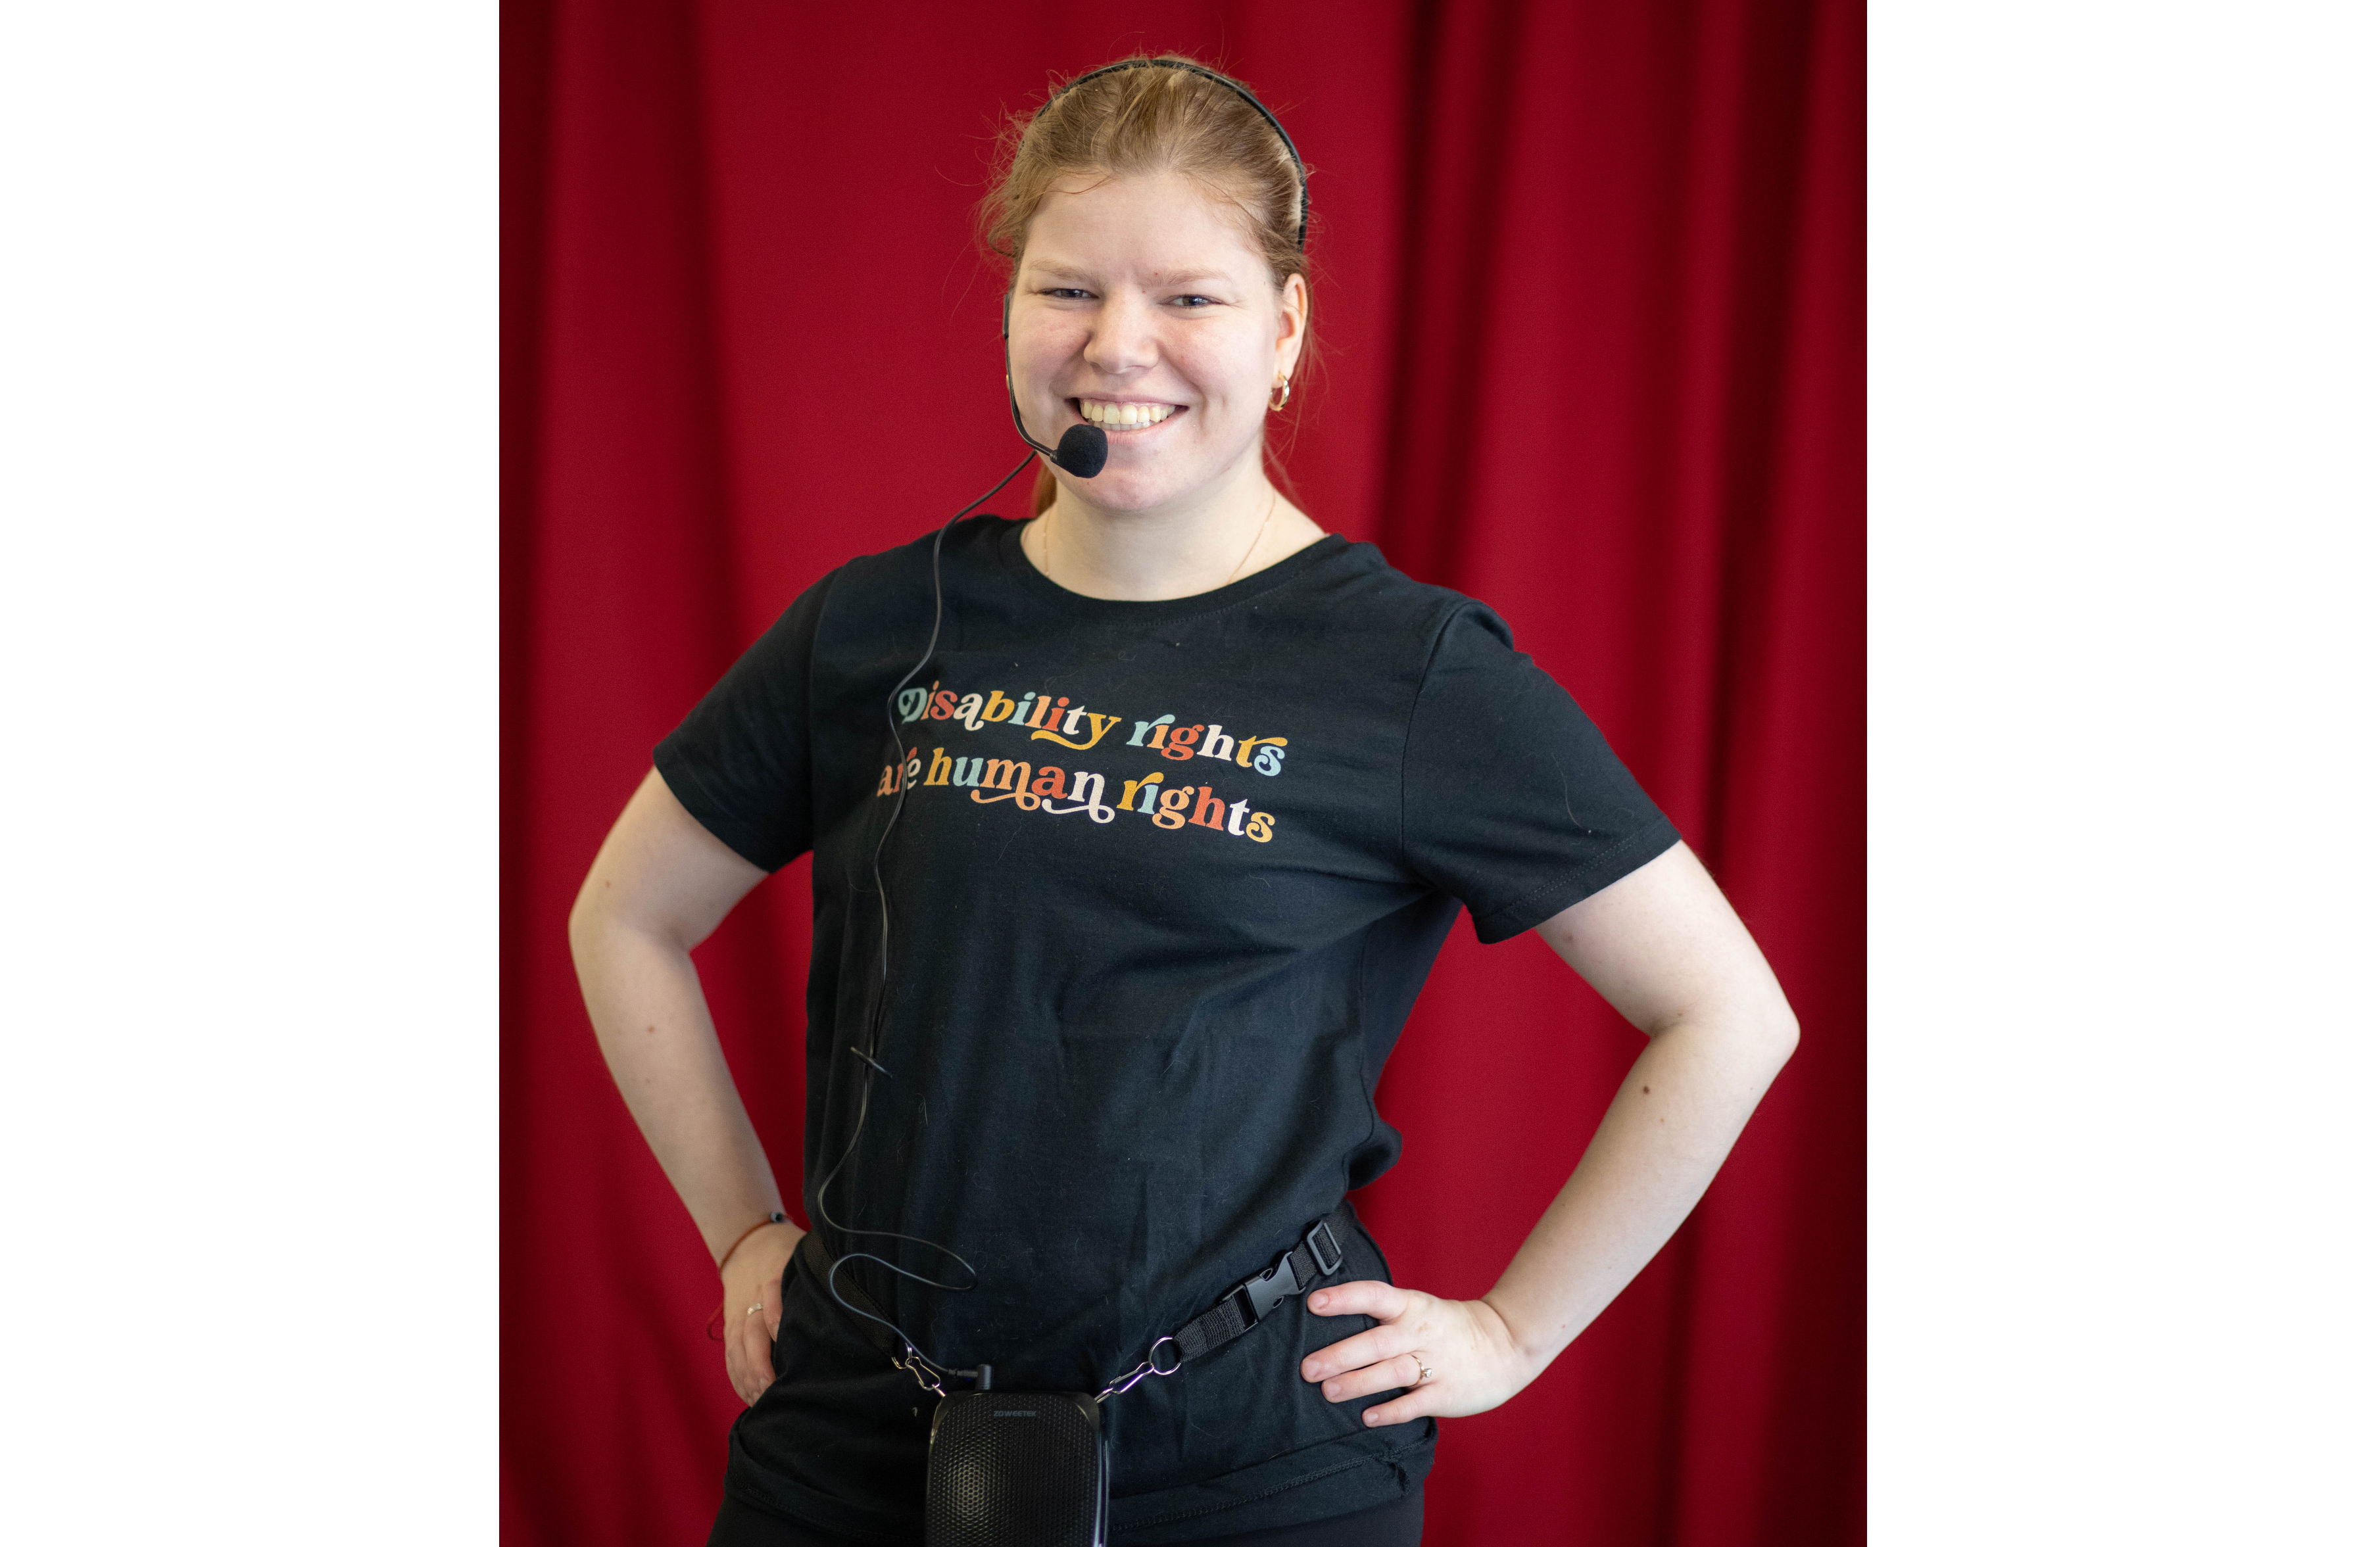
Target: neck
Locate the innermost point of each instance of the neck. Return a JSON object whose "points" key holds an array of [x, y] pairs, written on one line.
{"points": [[1198, 543]]}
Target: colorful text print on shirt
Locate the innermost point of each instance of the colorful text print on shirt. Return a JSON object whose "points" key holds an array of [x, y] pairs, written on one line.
{"points": [[1058, 718], [1174, 807], [1050, 789]]}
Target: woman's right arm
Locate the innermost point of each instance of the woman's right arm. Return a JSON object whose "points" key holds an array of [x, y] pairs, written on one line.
{"points": [[658, 887]]}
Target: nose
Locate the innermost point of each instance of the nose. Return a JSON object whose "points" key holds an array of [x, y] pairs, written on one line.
{"points": [[1122, 341]]}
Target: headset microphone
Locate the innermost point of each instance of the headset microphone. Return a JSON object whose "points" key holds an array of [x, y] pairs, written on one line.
{"points": [[1082, 451]]}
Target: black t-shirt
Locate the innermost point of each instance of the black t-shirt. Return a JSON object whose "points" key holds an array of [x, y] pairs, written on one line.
{"points": [[1166, 882]]}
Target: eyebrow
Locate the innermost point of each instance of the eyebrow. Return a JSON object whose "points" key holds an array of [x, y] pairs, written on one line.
{"points": [[1172, 277]]}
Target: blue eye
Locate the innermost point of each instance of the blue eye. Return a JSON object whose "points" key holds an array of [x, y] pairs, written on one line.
{"points": [[1193, 301], [1064, 293]]}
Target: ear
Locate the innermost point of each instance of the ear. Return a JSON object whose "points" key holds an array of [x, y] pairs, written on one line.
{"points": [[1289, 340]]}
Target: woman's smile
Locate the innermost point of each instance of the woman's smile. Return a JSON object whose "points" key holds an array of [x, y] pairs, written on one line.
{"points": [[1118, 416]]}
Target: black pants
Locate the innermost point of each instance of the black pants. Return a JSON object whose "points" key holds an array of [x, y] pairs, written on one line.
{"points": [[1392, 1525]]}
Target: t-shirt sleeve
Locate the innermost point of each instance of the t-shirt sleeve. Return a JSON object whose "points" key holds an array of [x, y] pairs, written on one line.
{"points": [[1513, 802], [740, 761]]}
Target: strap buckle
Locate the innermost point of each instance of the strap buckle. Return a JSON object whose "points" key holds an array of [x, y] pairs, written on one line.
{"points": [[1323, 1266], [1267, 1289], [1277, 1282]]}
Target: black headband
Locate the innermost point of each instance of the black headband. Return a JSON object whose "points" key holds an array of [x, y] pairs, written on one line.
{"points": [[1246, 95]]}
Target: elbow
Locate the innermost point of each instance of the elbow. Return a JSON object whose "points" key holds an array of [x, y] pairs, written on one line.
{"points": [[1781, 1033], [588, 917], [1755, 1035], [1759, 1034]]}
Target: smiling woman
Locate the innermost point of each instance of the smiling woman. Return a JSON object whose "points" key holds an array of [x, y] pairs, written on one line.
{"points": [[1155, 222], [1087, 1097], [1107, 328]]}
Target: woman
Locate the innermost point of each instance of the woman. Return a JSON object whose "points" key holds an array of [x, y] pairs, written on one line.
{"points": [[1116, 925]]}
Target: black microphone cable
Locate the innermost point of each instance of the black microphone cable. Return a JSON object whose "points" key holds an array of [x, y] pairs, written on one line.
{"points": [[1083, 452], [881, 997]]}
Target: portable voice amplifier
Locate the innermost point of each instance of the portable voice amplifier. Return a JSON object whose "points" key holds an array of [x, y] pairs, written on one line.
{"points": [[1016, 1469]]}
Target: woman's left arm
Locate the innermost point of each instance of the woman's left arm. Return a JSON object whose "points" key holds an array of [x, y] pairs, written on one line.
{"points": [[1665, 948]]}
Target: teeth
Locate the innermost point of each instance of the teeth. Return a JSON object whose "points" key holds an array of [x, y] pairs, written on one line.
{"points": [[1127, 416]]}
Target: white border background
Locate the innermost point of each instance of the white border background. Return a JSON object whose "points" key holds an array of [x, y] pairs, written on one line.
{"points": [[247, 601], [2124, 502], [2125, 267]]}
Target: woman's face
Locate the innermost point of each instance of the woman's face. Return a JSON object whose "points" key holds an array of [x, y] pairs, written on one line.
{"points": [[1141, 308]]}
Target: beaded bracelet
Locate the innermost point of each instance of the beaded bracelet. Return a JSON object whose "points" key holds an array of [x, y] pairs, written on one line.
{"points": [[772, 1219]]}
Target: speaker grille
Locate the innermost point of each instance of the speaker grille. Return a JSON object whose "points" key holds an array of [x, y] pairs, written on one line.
{"points": [[1019, 1468]]}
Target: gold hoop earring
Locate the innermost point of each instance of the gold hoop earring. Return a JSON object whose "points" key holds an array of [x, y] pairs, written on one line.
{"points": [[1280, 399]]}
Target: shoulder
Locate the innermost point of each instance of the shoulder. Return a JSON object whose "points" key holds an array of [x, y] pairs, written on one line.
{"points": [[1361, 593], [978, 541], [893, 588]]}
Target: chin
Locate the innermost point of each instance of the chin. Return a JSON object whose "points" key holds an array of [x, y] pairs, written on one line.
{"points": [[1141, 478], [1127, 490]]}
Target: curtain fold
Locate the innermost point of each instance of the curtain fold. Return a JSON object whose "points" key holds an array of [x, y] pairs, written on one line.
{"points": [[1590, 329]]}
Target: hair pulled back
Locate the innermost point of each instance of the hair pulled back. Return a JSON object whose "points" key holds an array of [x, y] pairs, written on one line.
{"points": [[1131, 122], [1136, 122]]}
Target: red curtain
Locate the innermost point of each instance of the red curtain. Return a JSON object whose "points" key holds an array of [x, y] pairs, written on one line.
{"points": [[1590, 331]]}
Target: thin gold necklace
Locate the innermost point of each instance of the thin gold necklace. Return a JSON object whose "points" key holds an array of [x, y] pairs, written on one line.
{"points": [[1254, 540], [1050, 554]]}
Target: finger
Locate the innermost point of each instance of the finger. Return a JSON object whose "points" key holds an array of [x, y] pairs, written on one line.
{"points": [[1354, 1353], [763, 1367], [736, 1375], [772, 1306], [1404, 1409], [752, 1347], [1386, 1375], [736, 1380], [1365, 1297]]}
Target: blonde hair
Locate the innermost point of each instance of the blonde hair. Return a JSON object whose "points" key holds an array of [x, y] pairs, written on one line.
{"points": [[1126, 121]]}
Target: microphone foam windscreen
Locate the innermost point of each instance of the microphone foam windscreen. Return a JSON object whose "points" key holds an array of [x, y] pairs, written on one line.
{"points": [[1082, 450]]}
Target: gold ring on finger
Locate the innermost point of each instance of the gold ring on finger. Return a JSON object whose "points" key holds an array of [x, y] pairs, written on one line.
{"points": [[749, 1309]]}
